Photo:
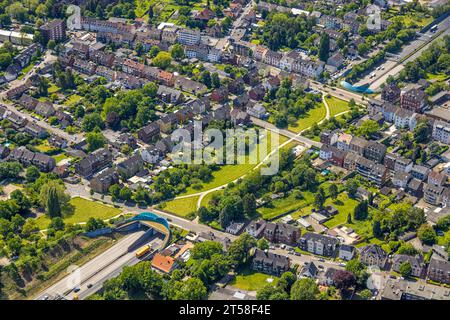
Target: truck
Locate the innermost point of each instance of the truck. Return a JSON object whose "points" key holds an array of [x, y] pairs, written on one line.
{"points": [[142, 251], [434, 28]]}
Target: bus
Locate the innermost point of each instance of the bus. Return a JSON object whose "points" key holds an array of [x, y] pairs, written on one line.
{"points": [[142, 251]]}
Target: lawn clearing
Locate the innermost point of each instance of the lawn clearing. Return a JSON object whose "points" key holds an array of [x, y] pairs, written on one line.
{"points": [[230, 172], [336, 105], [286, 205], [83, 210], [252, 281], [45, 147], [311, 117], [72, 100], [181, 207]]}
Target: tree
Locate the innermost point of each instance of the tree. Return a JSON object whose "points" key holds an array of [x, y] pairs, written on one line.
{"points": [[205, 78], [304, 289], [349, 218], [94, 224], [51, 44], [343, 279], [53, 206], [162, 60], [405, 269], [57, 224], [427, 234], [365, 294], [95, 140], [238, 252], [319, 200], [215, 80], [177, 51], [333, 191], [192, 289], [42, 87], [206, 249], [361, 210], [286, 281], [249, 203], [368, 128], [92, 121], [54, 199], [324, 47], [351, 187], [263, 244], [358, 269], [376, 229]]}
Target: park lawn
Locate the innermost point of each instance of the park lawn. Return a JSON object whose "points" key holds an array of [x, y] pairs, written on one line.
{"points": [[74, 98], [181, 207], [286, 205], [345, 205], [83, 210], [252, 281], [311, 117], [230, 172], [336, 105]]}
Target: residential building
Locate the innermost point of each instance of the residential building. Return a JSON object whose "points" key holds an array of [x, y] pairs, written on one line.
{"points": [[375, 172], [439, 270], [441, 131], [358, 145], [164, 264], [437, 178], [94, 162], [416, 262], [346, 252], [403, 165], [432, 194], [318, 244], [256, 228], [54, 30], [149, 133], [270, 263], [281, 233], [413, 290], [375, 151], [413, 99], [391, 93], [420, 172], [130, 166], [188, 36], [373, 255], [101, 182]]}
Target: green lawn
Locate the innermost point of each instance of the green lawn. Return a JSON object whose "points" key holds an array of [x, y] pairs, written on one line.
{"points": [[72, 99], [181, 207], [336, 105], [59, 157], [285, 205], [53, 89], [45, 147], [251, 280], [83, 210], [345, 205], [438, 77], [312, 116], [228, 173]]}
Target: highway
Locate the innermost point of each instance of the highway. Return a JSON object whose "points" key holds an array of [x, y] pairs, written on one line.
{"points": [[96, 270], [408, 53]]}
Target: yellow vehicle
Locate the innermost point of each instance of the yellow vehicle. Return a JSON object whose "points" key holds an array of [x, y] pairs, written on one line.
{"points": [[75, 297], [142, 251]]}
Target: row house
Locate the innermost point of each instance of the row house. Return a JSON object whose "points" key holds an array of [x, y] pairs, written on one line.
{"points": [[281, 233], [441, 131], [16, 120], [26, 157], [420, 172], [375, 151], [102, 58], [404, 118], [106, 73], [130, 166], [83, 66], [105, 26], [358, 145], [413, 99], [350, 161], [343, 141], [170, 35], [94, 162], [270, 263], [272, 58], [403, 165], [28, 102], [391, 93], [149, 133], [308, 68], [102, 181], [35, 130], [417, 264], [45, 109], [170, 95], [401, 179], [329, 137]]}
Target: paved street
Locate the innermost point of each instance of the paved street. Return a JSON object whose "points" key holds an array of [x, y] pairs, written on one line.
{"points": [[13, 84]]}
